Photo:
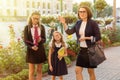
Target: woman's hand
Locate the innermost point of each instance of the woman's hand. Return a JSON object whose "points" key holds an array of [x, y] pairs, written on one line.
{"points": [[51, 68], [82, 39], [62, 20]]}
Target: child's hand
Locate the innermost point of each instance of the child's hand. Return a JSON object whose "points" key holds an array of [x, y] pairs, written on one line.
{"points": [[60, 57], [51, 68]]}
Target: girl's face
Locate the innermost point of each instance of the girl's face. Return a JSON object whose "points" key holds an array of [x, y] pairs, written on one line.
{"points": [[57, 36], [35, 19], [82, 13]]}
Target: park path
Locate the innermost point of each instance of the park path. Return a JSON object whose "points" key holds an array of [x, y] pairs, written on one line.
{"points": [[108, 70]]}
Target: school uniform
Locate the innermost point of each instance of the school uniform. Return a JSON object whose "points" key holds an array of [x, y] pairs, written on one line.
{"points": [[59, 66], [32, 56]]}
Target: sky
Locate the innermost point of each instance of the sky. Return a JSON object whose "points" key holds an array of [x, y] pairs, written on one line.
{"points": [[110, 2]]}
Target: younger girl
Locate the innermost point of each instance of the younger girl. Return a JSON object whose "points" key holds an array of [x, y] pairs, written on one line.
{"points": [[57, 65]]}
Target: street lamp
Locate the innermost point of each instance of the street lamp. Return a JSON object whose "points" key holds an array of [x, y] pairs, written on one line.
{"points": [[95, 13], [114, 14], [61, 5], [61, 9]]}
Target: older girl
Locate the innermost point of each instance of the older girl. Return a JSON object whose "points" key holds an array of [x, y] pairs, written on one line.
{"points": [[34, 38]]}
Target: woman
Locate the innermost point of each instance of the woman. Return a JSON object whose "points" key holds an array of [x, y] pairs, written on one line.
{"points": [[34, 38], [86, 31]]}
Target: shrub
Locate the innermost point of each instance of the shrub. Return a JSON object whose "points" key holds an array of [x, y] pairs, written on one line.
{"points": [[45, 68], [23, 75]]}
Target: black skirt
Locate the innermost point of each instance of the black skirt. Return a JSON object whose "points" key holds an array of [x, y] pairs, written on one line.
{"points": [[83, 59], [36, 57]]}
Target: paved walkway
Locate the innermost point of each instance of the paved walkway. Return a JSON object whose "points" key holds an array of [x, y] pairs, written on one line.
{"points": [[108, 70]]}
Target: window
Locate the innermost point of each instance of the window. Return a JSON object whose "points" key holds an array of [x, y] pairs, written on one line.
{"points": [[27, 4], [65, 6], [0, 2], [27, 13], [38, 4], [33, 4], [43, 5], [48, 11], [48, 5], [43, 12], [57, 6], [15, 3], [15, 13], [0, 12], [8, 12]]}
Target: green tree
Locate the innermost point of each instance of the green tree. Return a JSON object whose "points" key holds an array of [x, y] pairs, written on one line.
{"points": [[99, 6], [86, 3], [108, 10], [75, 7]]}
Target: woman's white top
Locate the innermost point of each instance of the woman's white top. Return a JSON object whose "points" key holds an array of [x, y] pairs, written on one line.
{"points": [[82, 33]]}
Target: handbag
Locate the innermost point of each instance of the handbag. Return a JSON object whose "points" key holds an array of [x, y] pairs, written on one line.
{"points": [[96, 55]]}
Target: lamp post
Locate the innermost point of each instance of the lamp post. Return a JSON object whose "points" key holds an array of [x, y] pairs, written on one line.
{"points": [[61, 9], [95, 13], [61, 5], [114, 14]]}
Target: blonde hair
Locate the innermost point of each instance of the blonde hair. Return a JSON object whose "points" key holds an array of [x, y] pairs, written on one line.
{"points": [[61, 40], [30, 20]]}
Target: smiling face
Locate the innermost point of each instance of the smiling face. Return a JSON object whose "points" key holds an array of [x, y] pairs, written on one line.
{"points": [[57, 36], [82, 13], [35, 19]]}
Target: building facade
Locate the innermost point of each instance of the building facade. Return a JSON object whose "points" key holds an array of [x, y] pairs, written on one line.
{"points": [[118, 14], [22, 8]]}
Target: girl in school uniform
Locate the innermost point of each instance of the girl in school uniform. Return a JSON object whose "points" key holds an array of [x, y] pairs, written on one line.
{"points": [[34, 38], [57, 65]]}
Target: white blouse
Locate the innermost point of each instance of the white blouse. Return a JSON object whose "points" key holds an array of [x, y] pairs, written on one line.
{"points": [[33, 31], [82, 34]]}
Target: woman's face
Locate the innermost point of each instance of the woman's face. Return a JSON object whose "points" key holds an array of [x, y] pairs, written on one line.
{"points": [[82, 13], [35, 19], [57, 36]]}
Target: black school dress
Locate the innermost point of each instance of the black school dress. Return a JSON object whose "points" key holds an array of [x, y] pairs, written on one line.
{"points": [[59, 66]]}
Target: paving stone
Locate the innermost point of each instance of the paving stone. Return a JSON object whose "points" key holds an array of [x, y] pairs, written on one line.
{"points": [[108, 70]]}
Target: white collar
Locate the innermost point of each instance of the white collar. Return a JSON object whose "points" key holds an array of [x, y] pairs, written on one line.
{"points": [[58, 44]]}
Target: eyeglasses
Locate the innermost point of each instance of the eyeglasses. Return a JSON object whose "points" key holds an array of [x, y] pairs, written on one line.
{"points": [[82, 11]]}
